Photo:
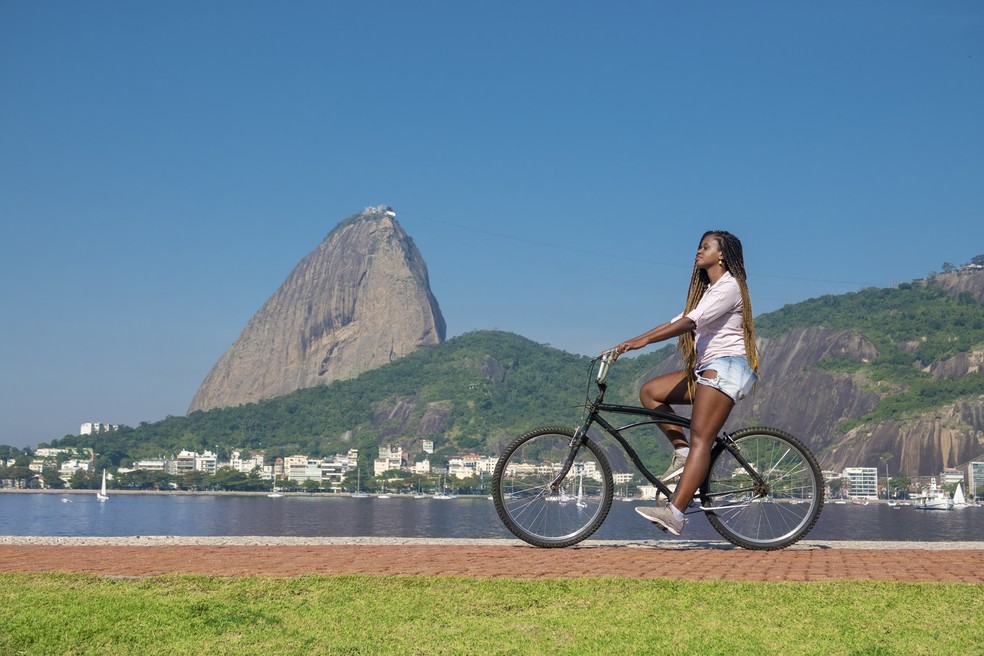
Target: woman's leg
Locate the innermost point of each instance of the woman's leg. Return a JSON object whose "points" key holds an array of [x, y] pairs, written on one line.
{"points": [[711, 410], [659, 392]]}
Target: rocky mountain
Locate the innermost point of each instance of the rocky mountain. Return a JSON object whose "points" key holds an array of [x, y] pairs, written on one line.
{"points": [[879, 378], [361, 299]]}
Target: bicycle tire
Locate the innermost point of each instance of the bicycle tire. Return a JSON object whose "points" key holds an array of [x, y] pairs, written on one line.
{"points": [[772, 516], [525, 502]]}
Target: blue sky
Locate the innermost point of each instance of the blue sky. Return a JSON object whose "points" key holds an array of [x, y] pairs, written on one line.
{"points": [[164, 166]]}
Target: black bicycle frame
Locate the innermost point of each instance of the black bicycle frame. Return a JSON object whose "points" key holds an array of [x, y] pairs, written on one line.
{"points": [[653, 417]]}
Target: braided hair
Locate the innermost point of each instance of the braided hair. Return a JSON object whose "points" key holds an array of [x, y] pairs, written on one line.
{"points": [[734, 262]]}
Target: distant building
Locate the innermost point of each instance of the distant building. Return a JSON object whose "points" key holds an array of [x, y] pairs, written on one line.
{"points": [[389, 458], [47, 452], [622, 478], [950, 476], [427, 445], [93, 427], [975, 479], [862, 482]]}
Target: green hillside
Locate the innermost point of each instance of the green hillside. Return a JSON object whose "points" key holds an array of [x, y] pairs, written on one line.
{"points": [[475, 392], [912, 327], [486, 387]]}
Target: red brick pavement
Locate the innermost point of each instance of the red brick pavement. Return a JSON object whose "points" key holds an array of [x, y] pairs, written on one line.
{"points": [[521, 562]]}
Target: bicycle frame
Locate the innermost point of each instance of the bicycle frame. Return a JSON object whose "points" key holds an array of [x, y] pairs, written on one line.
{"points": [[594, 416]]}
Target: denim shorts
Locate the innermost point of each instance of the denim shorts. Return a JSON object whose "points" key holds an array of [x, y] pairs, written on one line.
{"points": [[734, 377]]}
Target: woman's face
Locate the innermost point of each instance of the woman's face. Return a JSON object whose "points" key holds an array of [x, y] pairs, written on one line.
{"points": [[709, 253]]}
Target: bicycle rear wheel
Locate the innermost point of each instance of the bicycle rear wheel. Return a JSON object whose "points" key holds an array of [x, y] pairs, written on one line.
{"points": [[772, 514], [538, 514]]}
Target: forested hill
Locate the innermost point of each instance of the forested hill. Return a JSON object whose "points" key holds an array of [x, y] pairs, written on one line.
{"points": [[882, 377], [469, 394], [887, 378]]}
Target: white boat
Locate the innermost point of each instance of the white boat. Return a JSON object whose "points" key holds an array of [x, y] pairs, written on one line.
{"points": [[933, 499], [581, 503], [101, 495], [959, 501], [273, 491], [444, 492]]}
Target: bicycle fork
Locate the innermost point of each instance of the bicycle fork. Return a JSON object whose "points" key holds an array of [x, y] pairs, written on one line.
{"points": [[576, 443]]}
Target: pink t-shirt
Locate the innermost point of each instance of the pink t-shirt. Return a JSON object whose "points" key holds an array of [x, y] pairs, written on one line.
{"points": [[720, 328]]}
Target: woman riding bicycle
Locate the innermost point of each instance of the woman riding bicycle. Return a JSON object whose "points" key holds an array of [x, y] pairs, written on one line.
{"points": [[717, 341]]}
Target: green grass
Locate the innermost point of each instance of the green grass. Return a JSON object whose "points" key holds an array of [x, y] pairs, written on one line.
{"points": [[84, 614]]}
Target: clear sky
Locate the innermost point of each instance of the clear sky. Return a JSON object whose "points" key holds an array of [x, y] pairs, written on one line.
{"points": [[165, 165]]}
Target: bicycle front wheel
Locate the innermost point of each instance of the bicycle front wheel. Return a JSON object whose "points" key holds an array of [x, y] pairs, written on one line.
{"points": [[771, 513], [533, 507]]}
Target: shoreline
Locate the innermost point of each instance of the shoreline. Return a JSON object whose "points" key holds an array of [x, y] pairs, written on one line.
{"points": [[259, 493], [299, 541]]}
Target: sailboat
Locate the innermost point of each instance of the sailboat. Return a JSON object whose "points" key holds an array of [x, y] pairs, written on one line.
{"points": [[444, 492], [273, 490], [959, 501], [359, 494], [581, 503], [101, 495]]}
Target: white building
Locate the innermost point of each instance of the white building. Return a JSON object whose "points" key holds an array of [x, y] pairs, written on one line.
{"points": [[69, 467], [975, 479], [622, 478], [862, 482], [47, 452], [471, 465], [190, 461], [389, 458], [427, 446], [245, 465], [93, 427]]}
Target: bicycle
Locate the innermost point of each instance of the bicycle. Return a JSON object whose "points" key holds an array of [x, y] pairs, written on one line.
{"points": [[552, 486]]}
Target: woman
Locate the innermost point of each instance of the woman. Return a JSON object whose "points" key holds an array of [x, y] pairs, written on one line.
{"points": [[717, 341]]}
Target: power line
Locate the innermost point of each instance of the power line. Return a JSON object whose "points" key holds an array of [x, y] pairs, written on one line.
{"points": [[615, 256]]}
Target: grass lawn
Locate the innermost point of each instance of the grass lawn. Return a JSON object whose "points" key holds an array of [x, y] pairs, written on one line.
{"points": [[85, 614]]}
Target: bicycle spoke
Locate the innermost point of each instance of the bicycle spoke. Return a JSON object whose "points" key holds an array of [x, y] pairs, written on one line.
{"points": [[538, 507], [779, 513]]}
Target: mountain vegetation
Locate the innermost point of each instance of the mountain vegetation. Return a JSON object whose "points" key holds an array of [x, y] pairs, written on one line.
{"points": [[911, 382], [470, 394], [912, 327]]}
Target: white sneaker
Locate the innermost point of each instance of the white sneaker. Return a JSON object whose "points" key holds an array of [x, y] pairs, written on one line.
{"points": [[663, 517]]}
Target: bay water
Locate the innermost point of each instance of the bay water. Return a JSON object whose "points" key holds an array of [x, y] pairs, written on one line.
{"points": [[46, 514]]}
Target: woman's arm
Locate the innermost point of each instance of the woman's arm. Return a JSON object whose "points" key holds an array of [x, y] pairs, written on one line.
{"points": [[660, 333]]}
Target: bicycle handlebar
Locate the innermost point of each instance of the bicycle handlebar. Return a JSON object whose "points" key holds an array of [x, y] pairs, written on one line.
{"points": [[607, 358]]}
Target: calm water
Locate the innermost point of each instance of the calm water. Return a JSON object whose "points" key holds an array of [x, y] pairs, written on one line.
{"points": [[208, 515]]}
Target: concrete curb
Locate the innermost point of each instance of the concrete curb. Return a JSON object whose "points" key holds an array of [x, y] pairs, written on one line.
{"points": [[273, 541]]}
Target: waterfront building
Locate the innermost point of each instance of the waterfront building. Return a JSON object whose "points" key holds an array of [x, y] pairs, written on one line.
{"points": [[622, 478], [69, 467], [295, 468], [975, 479], [862, 482], [951, 476], [245, 465], [389, 458]]}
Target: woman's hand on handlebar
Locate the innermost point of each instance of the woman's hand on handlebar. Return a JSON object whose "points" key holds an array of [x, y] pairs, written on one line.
{"points": [[624, 347]]}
